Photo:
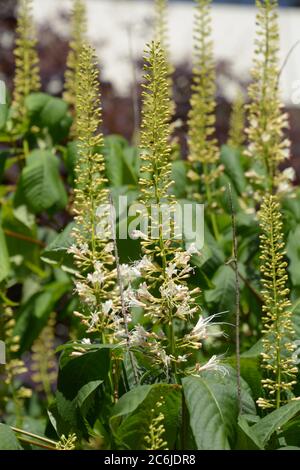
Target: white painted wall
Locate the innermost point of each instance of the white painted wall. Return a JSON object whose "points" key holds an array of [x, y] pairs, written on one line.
{"points": [[233, 33]]}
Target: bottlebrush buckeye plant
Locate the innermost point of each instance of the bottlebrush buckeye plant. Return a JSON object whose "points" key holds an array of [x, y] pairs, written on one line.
{"points": [[155, 341]]}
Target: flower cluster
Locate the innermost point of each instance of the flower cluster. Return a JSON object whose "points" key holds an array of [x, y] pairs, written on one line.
{"points": [[154, 439], [203, 149], [27, 72], [163, 292], [67, 443], [78, 37], [14, 366], [267, 122], [278, 348], [161, 36], [44, 364], [93, 250]]}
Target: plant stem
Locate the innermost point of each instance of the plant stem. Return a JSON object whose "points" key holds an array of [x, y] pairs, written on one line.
{"points": [[121, 288], [237, 299], [34, 443], [35, 436]]}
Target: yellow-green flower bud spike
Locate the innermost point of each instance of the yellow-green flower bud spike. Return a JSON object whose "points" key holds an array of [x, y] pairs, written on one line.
{"points": [[267, 144], [277, 355], [67, 443], [203, 149], [155, 133], [44, 363], [93, 250], [78, 38], [155, 438], [27, 71], [161, 35]]}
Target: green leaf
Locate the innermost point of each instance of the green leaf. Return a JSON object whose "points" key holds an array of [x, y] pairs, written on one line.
{"points": [[33, 315], [8, 440], [224, 292], [79, 379], [86, 391], [130, 166], [275, 420], [213, 408], [231, 160], [48, 112], [4, 257], [56, 252], [113, 153], [289, 448], [21, 239], [35, 102], [41, 183], [179, 176], [246, 438], [133, 414], [293, 253], [255, 351], [77, 372], [250, 372], [3, 115], [53, 112]]}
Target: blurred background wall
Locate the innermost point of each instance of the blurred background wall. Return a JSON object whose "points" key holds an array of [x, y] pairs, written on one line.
{"points": [[119, 29]]}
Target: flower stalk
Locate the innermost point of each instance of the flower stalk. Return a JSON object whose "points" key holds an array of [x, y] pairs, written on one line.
{"points": [[278, 347], [203, 149], [268, 146]]}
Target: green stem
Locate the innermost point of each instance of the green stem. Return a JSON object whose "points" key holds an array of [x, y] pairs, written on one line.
{"points": [[34, 443], [277, 315], [35, 436], [209, 201]]}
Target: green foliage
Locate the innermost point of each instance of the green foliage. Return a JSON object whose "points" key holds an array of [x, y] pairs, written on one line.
{"points": [[41, 186], [8, 440], [213, 406], [131, 419]]}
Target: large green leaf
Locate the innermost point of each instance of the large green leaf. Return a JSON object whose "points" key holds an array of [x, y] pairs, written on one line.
{"points": [[77, 372], [8, 440], [274, 421], [213, 408], [4, 257], [133, 414], [224, 291], [48, 112], [76, 401], [41, 183]]}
